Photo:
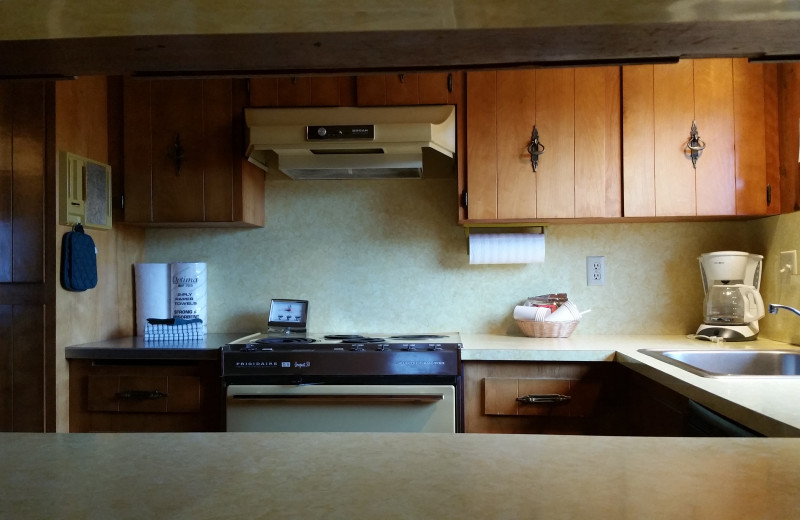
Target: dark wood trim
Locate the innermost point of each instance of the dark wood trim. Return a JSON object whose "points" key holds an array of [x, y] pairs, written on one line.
{"points": [[51, 263], [403, 50]]}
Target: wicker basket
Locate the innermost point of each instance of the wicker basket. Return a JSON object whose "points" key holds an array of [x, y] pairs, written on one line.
{"points": [[547, 329]]}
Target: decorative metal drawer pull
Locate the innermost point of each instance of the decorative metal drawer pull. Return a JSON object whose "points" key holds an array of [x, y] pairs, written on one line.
{"points": [[177, 154], [535, 148], [695, 145], [141, 395], [544, 399]]}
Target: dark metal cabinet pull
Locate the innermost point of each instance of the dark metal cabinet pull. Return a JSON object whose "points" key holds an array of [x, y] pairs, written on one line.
{"points": [[141, 395], [544, 399], [342, 398], [176, 153], [535, 148], [695, 145]]}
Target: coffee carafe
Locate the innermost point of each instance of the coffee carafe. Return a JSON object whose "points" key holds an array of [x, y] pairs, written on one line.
{"points": [[732, 304]]}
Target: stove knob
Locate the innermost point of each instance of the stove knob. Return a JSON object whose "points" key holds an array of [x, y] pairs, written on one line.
{"points": [[435, 347], [357, 348], [383, 348], [410, 347]]}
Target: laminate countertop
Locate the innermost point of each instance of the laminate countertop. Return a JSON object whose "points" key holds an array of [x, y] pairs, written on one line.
{"points": [[770, 406], [135, 347], [356, 476]]}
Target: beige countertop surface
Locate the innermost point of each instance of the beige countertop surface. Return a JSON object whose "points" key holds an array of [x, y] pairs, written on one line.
{"points": [[770, 406], [351, 476]]}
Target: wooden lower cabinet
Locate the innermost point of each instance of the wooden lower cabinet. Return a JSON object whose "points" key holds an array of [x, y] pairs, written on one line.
{"points": [[144, 396], [654, 410], [593, 402]]}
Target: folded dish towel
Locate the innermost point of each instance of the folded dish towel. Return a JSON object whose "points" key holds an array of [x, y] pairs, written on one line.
{"points": [[173, 329], [173, 321]]}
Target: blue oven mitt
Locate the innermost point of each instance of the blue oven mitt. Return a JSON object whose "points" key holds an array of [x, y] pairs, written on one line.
{"points": [[78, 260]]}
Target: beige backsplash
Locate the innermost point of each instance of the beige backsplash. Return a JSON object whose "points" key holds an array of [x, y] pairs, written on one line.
{"points": [[377, 256]]}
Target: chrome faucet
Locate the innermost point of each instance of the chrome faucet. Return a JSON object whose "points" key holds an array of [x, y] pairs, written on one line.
{"points": [[773, 308]]}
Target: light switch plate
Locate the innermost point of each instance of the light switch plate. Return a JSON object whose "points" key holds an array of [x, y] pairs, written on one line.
{"points": [[789, 262]]}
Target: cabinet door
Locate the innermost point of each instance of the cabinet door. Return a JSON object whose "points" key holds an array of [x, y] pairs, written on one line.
{"points": [[132, 395], [27, 257], [298, 91], [482, 141], [183, 159], [178, 150], [726, 100], [576, 114], [430, 88]]}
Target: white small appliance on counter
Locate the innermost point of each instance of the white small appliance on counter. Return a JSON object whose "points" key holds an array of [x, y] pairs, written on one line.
{"points": [[732, 304]]}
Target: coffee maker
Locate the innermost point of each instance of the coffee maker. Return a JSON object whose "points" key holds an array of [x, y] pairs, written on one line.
{"points": [[732, 304]]}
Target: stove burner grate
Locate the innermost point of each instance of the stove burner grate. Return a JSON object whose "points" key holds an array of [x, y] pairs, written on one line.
{"points": [[281, 340], [418, 336]]}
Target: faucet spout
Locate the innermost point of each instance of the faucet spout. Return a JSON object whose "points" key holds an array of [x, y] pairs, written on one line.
{"points": [[774, 307]]}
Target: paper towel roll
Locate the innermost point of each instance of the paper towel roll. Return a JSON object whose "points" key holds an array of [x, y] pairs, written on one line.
{"points": [[188, 291], [506, 248], [151, 283]]}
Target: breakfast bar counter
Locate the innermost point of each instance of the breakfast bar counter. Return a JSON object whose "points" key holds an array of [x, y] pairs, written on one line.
{"points": [[201, 476]]}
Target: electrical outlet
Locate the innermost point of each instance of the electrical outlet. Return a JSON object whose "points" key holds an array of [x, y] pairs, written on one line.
{"points": [[788, 262], [595, 270]]}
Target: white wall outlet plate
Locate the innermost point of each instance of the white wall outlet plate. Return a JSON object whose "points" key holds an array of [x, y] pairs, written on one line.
{"points": [[788, 262], [595, 270]]}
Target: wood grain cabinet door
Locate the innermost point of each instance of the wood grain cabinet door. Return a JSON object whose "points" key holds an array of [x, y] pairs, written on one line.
{"points": [[576, 115], [730, 101], [133, 395], [27, 256], [298, 91], [184, 154], [178, 150], [429, 88]]}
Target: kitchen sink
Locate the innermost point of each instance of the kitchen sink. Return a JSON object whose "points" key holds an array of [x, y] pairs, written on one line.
{"points": [[732, 363]]}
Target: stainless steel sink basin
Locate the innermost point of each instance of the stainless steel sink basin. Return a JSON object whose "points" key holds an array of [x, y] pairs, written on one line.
{"points": [[732, 363]]}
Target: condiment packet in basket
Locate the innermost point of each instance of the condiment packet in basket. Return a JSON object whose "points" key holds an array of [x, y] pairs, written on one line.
{"points": [[554, 300]]}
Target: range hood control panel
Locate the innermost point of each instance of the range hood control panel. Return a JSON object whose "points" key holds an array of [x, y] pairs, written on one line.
{"points": [[339, 132]]}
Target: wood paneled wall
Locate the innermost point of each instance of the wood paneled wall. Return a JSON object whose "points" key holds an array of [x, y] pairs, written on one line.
{"points": [[88, 123]]}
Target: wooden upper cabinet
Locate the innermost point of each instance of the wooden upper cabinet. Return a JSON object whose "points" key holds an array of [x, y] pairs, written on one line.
{"points": [[435, 88], [576, 114], [184, 161], [302, 91], [732, 103], [430, 88]]}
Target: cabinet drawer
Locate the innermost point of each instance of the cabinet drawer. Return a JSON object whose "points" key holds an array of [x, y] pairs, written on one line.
{"points": [[557, 397], [157, 394]]}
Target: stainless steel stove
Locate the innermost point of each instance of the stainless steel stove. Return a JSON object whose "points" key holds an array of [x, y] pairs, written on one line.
{"points": [[343, 382]]}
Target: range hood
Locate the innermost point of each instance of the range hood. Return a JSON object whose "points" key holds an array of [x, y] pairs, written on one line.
{"points": [[353, 142]]}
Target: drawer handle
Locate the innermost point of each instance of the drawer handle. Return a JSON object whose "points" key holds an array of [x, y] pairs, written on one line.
{"points": [[544, 399], [141, 395]]}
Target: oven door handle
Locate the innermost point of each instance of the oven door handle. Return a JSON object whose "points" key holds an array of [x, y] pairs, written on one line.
{"points": [[342, 398]]}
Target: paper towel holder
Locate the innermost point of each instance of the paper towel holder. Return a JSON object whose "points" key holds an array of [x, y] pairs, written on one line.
{"points": [[521, 227]]}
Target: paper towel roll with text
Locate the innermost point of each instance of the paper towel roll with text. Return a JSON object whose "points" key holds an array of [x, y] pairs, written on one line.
{"points": [[506, 248], [188, 291], [151, 283]]}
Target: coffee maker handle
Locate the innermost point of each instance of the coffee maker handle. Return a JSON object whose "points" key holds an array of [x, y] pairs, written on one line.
{"points": [[755, 308]]}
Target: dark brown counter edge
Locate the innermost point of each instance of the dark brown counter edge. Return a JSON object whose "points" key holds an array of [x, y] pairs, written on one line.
{"points": [[135, 347]]}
